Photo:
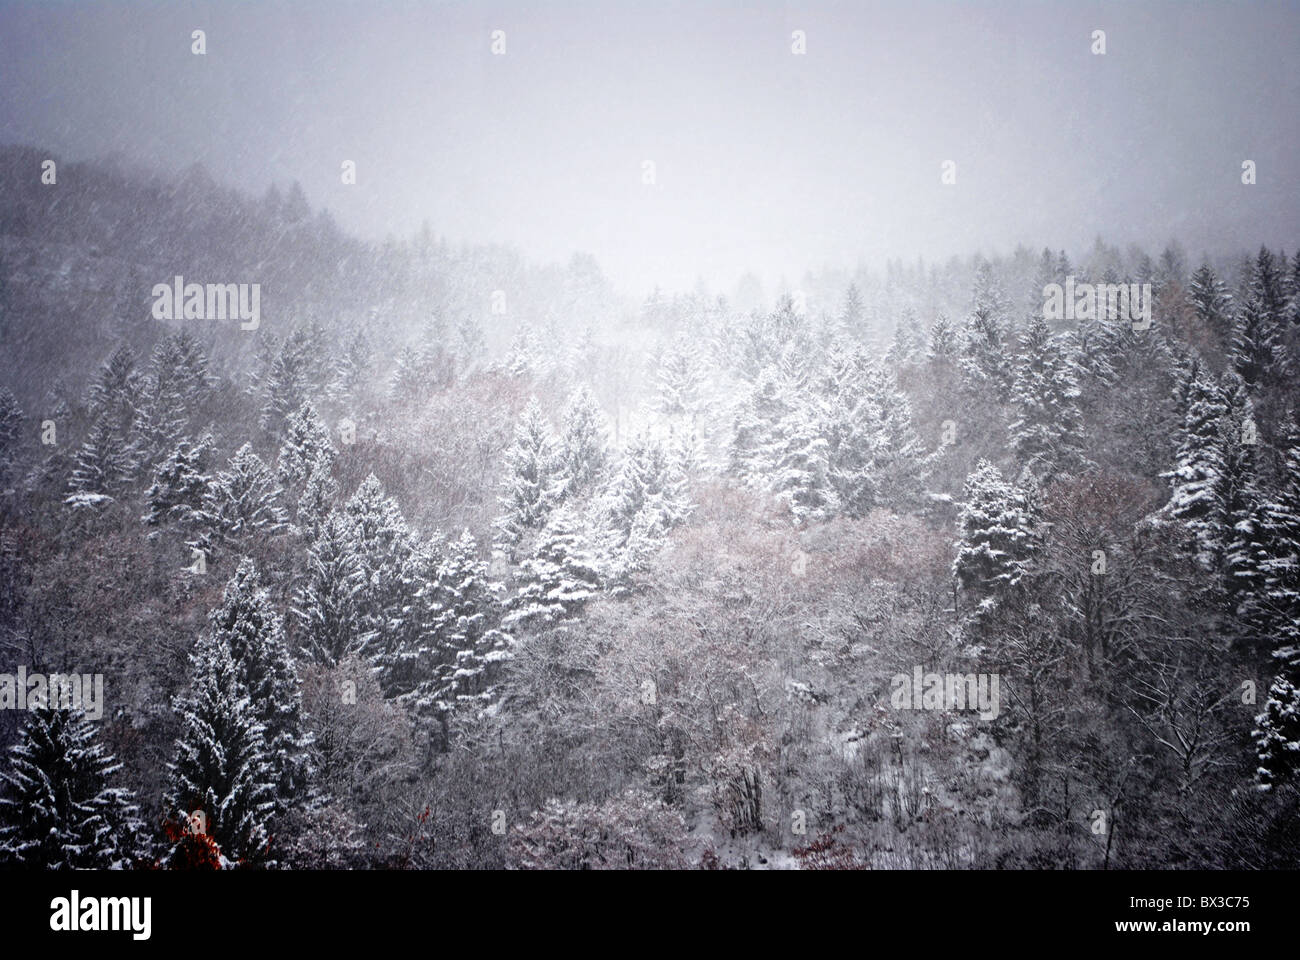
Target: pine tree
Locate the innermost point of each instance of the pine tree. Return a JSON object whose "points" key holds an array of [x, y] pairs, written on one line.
{"points": [[247, 624], [466, 623], [286, 383], [116, 393], [756, 444], [180, 484], [1212, 302], [1277, 615], [1267, 287], [352, 370], [1198, 469], [60, 812], [384, 548], [998, 538], [220, 768], [242, 502], [558, 579], [328, 623], [582, 454], [943, 341], [306, 448], [985, 366], [679, 381], [802, 479], [532, 482], [316, 502], [174, 386], [854, 312], [646, 483], [1046, 429], [101, 469], [1255, 347]]}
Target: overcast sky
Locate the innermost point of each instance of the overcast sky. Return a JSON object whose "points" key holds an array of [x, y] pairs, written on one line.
{"points": [[763, 159]]}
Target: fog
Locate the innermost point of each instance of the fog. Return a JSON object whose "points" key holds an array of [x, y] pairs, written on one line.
{"points": [[764, 159]]}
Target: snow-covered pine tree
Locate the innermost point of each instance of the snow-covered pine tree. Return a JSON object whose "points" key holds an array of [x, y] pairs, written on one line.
{"points": [[942, 347], [61, 812], [242, 502], [247, 624], [306, 448], [679, 381], [997, 538], [985, 366], [385, 550], [353, 370], [101, 468], [854, 313], [317, 502], [558, 579], [286, 383], [1046, 430], [1255, 342], [582, 453], [220, 768], [162, 417], [532, 483], [1277, 733], [328, 625], [802, 478], [1197, 473], [756, 443], [1212, 302], [179, 484], [467, 625], [116, 393], [646, 482]]}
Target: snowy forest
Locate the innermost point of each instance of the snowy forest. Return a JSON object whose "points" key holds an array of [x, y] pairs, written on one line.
{"points": [[458, 560]]}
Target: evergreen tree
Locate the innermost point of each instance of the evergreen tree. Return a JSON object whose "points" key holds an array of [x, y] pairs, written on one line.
{"points": [[1212, 302], [180, 484], [532, 482], [384, 548], [1046, 429], [943, 341], [802, 480], [352, 370], [1255, 347], [101, 468], [679, 381], [328, 622], [116, 394], [985, 366], [998, 538], [242, 502], [1277, 615], [756, 444], [558, 579], [247, 624], [286, 383], [582, 453], [220, 768], [1197, 475], [60, 812], [854, 312], [307, 447]]}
